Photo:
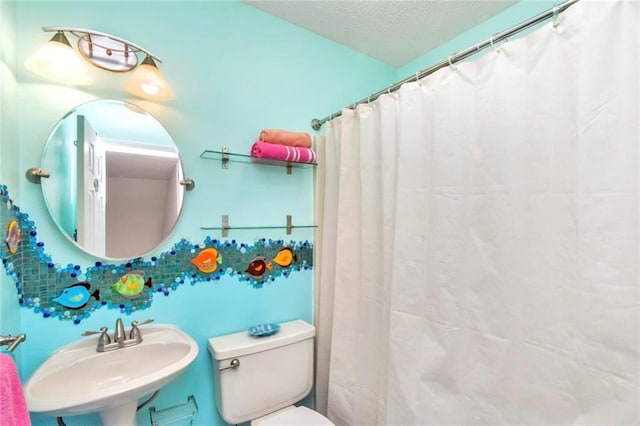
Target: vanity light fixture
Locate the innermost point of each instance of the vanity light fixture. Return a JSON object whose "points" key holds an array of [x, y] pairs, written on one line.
{"points": [[148, 82], [58, 61]]}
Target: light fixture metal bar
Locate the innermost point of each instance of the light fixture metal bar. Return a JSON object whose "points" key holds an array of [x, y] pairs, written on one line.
{"points": [[74, 30]]}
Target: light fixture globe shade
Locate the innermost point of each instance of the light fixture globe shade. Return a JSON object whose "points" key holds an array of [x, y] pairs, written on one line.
{"points": [[57, 61], [147, 82]]}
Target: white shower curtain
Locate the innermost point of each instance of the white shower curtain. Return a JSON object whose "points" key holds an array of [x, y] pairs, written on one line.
{"points": [[480, 258]]}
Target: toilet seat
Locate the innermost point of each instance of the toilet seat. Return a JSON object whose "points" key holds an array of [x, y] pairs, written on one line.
{"points": [[293, 416]]}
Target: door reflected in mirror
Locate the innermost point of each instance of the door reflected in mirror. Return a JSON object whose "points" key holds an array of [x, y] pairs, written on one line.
{"points": [[114, 188]]}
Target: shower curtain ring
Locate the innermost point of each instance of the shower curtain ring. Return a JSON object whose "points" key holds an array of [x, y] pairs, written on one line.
{"points": [[389, 89], [556, 12], [418, 78], [450, 62], [492, 40]]}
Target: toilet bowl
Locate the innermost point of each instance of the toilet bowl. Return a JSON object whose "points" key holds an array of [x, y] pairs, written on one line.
{"points": [[260, 379]]}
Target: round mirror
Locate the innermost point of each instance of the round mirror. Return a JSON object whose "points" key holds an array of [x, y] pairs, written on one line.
{"points": [[114, 187]]}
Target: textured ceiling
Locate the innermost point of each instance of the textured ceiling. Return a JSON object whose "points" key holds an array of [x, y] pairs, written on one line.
{"points": [[393, 31]]}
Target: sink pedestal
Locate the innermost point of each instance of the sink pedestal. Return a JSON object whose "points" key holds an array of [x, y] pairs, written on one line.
{"points": [[120, 415]]}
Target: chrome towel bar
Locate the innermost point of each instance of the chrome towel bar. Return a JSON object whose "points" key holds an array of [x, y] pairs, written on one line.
{"points": [[12, 342]]}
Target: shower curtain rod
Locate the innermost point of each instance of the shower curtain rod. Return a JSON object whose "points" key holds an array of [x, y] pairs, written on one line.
{"points": [[456, 57]]}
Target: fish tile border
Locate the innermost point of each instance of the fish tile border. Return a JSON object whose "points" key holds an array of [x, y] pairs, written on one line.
{"points": [[38, 279]]}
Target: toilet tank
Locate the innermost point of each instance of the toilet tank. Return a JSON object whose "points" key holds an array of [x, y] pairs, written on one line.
{"points": [[273, 372]]}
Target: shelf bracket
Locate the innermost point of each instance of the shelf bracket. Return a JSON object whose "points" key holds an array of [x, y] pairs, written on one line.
{"points": [[225, 157], [289, 168], [225, 225], [289, 226]]}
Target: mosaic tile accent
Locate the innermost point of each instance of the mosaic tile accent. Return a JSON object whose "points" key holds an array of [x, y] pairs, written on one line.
{"points": [[77, 292]]}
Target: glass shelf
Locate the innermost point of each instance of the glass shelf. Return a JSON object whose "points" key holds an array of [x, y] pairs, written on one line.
{"points": [[225, 227], [222, 228], [224, 157]]}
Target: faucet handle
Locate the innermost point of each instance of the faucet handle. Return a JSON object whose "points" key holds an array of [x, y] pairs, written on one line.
{"points": [[90, 332], [135, 331], [104, 338], [136, 323]]}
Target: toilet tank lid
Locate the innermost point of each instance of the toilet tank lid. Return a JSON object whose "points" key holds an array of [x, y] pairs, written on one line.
{"points": [[242, 343]]}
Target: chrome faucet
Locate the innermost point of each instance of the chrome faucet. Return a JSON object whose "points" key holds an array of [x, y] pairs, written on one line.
{"points": [[119, 340], [118, 334]]}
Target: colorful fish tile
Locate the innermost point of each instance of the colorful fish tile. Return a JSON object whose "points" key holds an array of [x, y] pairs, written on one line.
{"points": [[207, 260], [76, 296], [258, 267], [131, 284], [285, 257], [13, 236]]}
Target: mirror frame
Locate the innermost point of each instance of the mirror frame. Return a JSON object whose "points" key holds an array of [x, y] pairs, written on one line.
{"points": [[143, 150]]}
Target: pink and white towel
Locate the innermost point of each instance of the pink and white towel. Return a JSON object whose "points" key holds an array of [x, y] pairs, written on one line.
{"points": [[283, 152]]}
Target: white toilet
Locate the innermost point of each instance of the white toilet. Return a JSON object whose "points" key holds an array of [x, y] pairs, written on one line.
{"points": [[258, 379]]}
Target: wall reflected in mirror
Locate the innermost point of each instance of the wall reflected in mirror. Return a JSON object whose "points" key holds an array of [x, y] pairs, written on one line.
{"points": [[114, 188]]}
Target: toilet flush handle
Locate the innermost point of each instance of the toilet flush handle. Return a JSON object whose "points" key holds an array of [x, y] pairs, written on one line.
{"points": [[235, 363]]}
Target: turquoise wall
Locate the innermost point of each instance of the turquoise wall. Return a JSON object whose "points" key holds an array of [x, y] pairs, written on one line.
{"points": [[9, 312], [235, 70]]}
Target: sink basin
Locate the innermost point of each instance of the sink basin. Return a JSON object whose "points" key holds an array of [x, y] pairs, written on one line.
{"points": [[78, 380]]}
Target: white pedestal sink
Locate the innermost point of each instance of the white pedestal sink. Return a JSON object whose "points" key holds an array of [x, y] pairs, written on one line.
{"points": [[78, 380]]}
